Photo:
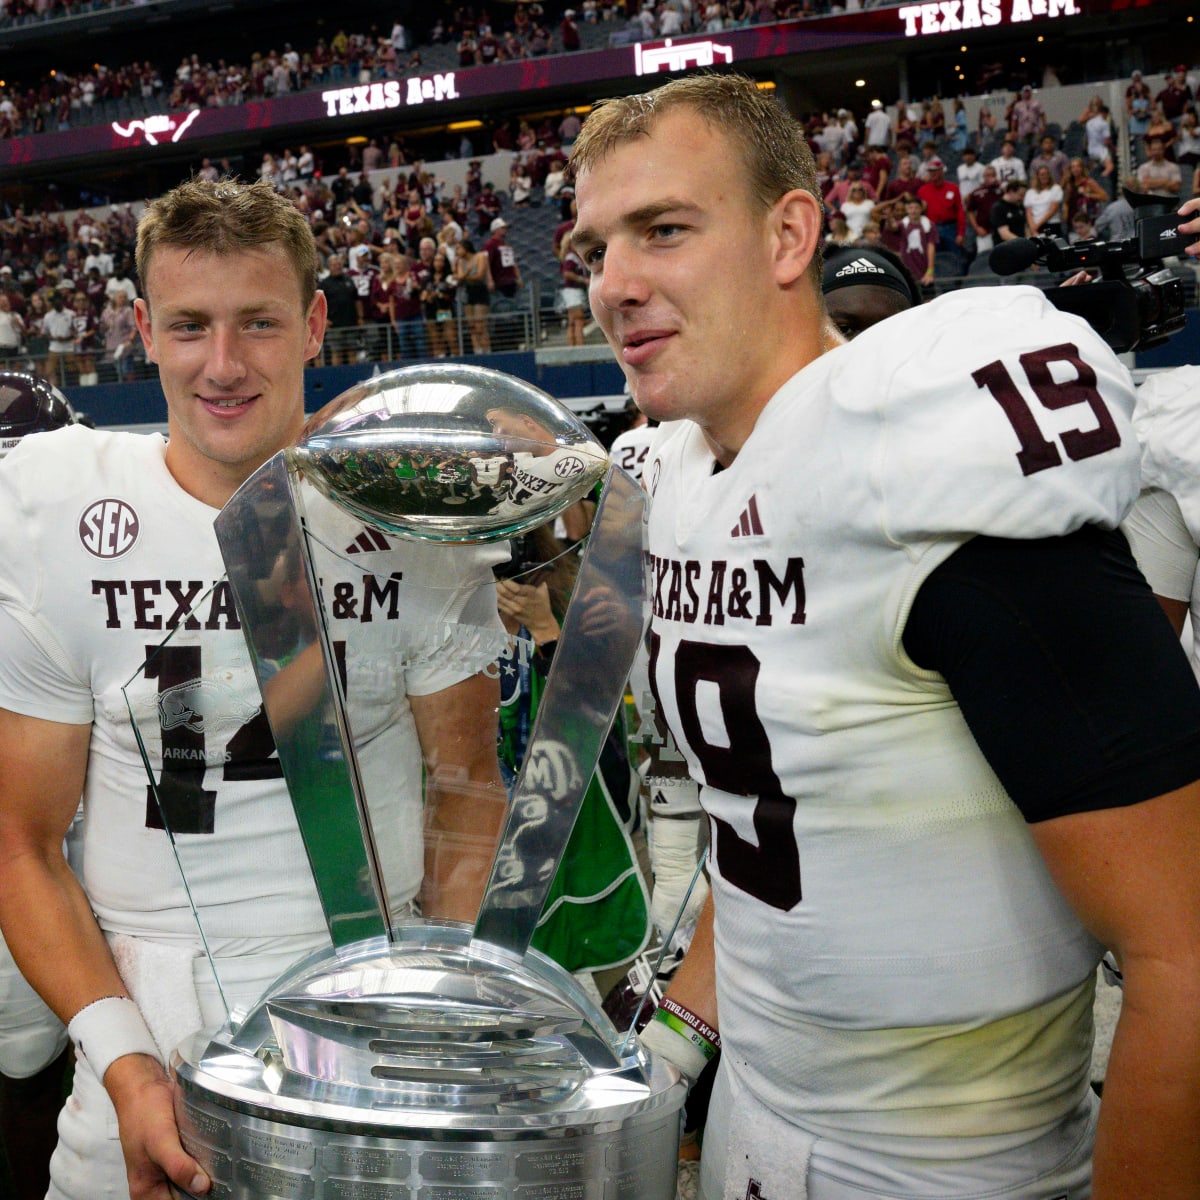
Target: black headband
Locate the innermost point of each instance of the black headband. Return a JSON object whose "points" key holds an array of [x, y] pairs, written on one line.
{"points": [[860, 265]]}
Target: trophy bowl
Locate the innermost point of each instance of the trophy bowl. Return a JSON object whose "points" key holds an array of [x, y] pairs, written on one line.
{"points": [[427, 1068], [450, 453]]}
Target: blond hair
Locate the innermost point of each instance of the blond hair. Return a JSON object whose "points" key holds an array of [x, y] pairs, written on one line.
{"points": [[225, 217], [770, 141]]}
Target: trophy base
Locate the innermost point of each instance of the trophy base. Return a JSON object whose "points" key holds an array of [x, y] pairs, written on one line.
{"points": [[250, 1158], [427, 1068]]}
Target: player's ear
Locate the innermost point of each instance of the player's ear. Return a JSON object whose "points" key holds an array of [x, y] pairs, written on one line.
{"points": [[796, 218], [141, 317], [316, 321]]}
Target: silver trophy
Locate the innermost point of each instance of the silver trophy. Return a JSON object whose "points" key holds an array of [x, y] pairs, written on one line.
{"points": [[407, 1058]]}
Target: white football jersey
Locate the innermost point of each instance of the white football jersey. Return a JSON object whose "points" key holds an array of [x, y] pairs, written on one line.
{"points": [[629, 449], [893, 957], [1167, 424], [537, 475], [110, 575]]}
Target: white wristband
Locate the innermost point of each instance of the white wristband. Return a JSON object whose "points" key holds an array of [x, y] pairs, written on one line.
{"points": [[679, 1051], [108, 1029], [674, 796]]}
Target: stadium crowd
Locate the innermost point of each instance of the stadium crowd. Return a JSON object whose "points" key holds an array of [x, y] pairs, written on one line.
{"points": [[415, 267], [479, 37], [940, 196]]}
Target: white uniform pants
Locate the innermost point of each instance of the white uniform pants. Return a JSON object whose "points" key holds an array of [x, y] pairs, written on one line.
{"points": [[750, 1153], [87, 1163], [31, 1036]]}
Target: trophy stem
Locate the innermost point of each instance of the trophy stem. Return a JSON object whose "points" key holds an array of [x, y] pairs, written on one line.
{"points": [[600, 636], [266, 559]]}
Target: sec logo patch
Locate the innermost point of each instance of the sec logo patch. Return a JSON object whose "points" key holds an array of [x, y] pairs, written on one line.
{"points": [[565, 468], [109, 528]]}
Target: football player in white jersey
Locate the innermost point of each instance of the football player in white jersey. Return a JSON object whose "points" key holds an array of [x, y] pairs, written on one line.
{"points": [[33, 1041], [675, 835], [864, 285], [108, 546], [629, 448], [540, 467], [1164, 526], [947, 744]]}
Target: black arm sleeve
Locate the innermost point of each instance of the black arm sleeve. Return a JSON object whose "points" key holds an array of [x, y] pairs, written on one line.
{"points": [[1066, 670]]}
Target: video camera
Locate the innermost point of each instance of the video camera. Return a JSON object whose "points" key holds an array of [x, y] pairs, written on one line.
{"points": [[1137, 302]]}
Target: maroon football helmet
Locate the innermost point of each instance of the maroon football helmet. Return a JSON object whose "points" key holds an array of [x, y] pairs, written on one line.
{"points": [[29, 404]]}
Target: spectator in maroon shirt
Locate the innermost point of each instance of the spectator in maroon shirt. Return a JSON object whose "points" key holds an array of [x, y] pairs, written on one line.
{"points": [[979, 210], [918, 242], [487, 207], [474, 178], [511, 49], [407, 319], [503, 138], [489, 48], [1175, 97], [904, 182], [502, 259], [877, 169], [568, 31], [564, 226], [377, 304]]}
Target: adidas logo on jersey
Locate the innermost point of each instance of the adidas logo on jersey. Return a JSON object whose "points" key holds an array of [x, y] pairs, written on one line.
{"points": [[860, 266], [748, 524], [368, 541]]}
